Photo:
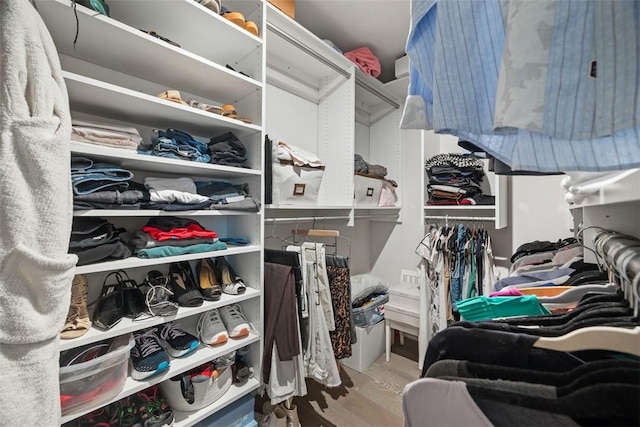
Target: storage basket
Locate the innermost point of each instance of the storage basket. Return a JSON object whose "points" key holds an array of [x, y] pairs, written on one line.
{"points": [[204, 392], [96, 380], [367, 189], [372, 313], [295, 185]]}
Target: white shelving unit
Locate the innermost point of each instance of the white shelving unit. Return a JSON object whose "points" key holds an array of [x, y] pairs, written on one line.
{"points": [[495, 185], [114, 74]]}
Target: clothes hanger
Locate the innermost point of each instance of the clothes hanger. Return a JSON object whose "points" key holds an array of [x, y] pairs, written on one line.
{"points": [[283, 242], [621, 340], [575, 293]]}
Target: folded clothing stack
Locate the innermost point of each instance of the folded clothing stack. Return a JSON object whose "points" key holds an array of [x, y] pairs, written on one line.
{"points": [[176, 144], [455, 179], [171, 236], [98, 185], [228, 150], [105, 134], [378, 171], [96, 239]]}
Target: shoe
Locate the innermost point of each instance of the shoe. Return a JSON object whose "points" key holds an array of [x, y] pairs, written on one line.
{"points": [[133, 299], [242, 370], [183, 286], [175, 341], [231, 283], [110, 306], [251, 27], [147, 356], [152, 408], [78, 322], [290, 415], [211, 329], [234, 321], [209, 281], [158, 296], [235, 17]]}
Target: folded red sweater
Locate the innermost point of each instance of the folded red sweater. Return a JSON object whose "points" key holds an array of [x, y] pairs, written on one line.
{"points": [[192, 231]]}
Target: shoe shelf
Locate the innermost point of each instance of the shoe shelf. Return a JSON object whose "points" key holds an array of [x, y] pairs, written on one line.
{"points": [[235, 392], [177, 366], [149, 213], [127, 325], [101, 40], [135, 262], [129, 159], [107, 100]]}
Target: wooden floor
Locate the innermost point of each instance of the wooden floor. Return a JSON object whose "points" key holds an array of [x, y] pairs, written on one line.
{"points": [[370, 398]]}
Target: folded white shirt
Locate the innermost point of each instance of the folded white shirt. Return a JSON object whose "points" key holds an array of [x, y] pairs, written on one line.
{"points": [[169, 190], [298, 156]]}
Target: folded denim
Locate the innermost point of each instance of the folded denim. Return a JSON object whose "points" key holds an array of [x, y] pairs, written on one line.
{"points": [[80, 205], [114, 197], [229, 156], [80, 164], [114, 250], [180, 138], [165, 251], [99, 176]]}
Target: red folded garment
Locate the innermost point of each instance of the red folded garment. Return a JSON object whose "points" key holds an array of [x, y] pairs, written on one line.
{"points": [[365, 60], [191, 231]]}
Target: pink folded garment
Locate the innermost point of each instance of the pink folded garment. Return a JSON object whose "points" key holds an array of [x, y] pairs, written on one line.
{"points": [[365, 60], [507, 292]]}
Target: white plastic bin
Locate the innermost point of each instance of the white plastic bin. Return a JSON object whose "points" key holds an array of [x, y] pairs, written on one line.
{"points": [[368, 348], [97, 380]]}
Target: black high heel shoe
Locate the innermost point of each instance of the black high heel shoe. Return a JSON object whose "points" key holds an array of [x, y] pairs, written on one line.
{"points": [[109, 306], [183, 285], [231, 283], [134, 304]]}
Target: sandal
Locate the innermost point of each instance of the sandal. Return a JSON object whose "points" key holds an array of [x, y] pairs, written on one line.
{"points": [[209, 282], [158, 296], [183, 285], [205, 107], [251, 27], [231, 283], [235, 17], [78, 322], [133, 298], [229, 110], [172, 95]]}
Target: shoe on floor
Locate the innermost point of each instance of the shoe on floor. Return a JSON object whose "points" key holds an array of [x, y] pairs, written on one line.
{"points": [[234, 320], [211, 329], [147, 356], [175, 341]]}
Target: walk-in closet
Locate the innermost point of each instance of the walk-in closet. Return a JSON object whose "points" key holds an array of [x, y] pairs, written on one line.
{"points": [[280, 213]]}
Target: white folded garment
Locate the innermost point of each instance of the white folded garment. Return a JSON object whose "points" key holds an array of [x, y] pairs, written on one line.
{"points": [[298, 156], [448, 188], [169, 190], [106, 127]]}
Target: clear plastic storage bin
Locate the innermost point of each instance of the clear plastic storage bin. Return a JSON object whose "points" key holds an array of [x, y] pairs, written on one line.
{"points": [[97, 380]]}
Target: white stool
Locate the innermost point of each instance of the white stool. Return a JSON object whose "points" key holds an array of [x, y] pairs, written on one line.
{"points": [[402, 312]]}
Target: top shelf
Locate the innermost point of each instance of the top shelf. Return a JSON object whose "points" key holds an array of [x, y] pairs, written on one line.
{"points": [[372, 94], [621, 187], [101, 40], [296, 51]]}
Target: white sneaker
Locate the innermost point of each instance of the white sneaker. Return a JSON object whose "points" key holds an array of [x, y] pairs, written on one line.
{"points": [[210, 328], [234, 320]]}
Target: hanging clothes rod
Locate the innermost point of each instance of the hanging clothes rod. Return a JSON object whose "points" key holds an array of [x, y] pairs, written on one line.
{"points": [[620, 251], [283, 35], [323, 218], [460, 218]]}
